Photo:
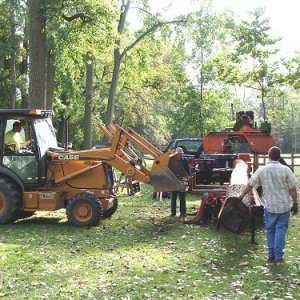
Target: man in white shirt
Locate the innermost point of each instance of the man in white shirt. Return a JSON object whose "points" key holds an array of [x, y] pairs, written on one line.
{"points": [[279, 186]]}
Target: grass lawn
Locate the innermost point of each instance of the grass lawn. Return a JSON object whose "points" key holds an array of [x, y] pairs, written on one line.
{"points": [[141, 253]]}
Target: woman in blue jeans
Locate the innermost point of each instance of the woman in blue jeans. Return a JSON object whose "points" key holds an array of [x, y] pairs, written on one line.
{"points": [[279, 187]]}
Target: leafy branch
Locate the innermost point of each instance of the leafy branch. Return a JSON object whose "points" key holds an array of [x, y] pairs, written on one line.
{"points": [[147, 32]]}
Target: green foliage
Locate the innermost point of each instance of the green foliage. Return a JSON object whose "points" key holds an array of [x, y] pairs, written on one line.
{"points": [[251, 58], [202, 104], [196, 118], [8, 46], [284, 112], [4, 55], [151, 75], [71, 42], [293, 67], [178, 81], [253, 36]]}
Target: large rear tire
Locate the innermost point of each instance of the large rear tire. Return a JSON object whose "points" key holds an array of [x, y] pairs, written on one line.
{"points": [[109, 212], [10, 201], [84, 210]]}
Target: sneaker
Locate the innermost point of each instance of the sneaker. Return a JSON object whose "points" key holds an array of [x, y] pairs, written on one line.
{"points": [[172, 215], [182, 215], [271, 259]]}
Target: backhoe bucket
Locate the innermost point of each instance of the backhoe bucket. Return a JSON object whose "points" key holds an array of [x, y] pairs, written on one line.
{"points": [[165, 173]]}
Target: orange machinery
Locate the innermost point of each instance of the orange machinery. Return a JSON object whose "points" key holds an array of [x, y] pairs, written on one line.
{"points": [[44, 177], [222, 149], [244, 137]]}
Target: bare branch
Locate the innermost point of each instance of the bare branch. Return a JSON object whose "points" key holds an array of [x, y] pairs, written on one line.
{"points": [[145, 11], [81, 16], [105, 72]]}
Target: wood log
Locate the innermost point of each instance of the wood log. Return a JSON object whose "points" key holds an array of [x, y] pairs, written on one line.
{"points": [[235, 214], [232, 213]]}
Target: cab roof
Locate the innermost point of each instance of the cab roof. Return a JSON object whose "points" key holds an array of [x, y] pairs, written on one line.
{"points": [[25, 112]]}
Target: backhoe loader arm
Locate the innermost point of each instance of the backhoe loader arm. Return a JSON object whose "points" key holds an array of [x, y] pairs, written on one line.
{"points": [[123, 156], [123, 136], [121, 162], [161, 176]]}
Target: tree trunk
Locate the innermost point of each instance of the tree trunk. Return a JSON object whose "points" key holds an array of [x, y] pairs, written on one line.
{"points": [[113, 87], [117, 63], [201, 121], [51, 68], [50, 79], [118, 56], [235, 213], [37, 54], [87, 144], [24, 68], [13, 76], [263, 104], [61, 133]]}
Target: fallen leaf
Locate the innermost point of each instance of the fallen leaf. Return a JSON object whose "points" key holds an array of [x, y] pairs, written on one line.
{"points": [[244, 264]]}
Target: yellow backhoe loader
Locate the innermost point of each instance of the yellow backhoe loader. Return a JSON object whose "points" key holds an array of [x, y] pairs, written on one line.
{"points": [[40, 176]]}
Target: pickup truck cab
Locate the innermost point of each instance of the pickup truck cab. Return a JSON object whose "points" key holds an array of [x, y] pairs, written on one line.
{"points": [[192, 148]]}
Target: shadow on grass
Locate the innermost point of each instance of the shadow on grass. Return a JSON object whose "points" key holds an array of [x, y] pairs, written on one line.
{"points": [[40, 220], [126, 233], [139, 251], [156, 247], [133, 226]]}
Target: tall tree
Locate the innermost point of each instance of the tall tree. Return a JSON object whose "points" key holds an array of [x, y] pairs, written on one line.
{"points": [[256, 48], [83, 26], [119, 54], [252, 61], [13, 46], [23, 66], [5, 54], [206, 31], [87, 144], [53, 28], [37, 53], [117, 62]]}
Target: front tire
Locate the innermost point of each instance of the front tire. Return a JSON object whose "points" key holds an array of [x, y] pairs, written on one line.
{"points": [[10, 201], [84, 210]]}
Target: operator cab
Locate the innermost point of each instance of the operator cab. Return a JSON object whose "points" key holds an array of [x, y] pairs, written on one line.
{"points": [[25, 159]]}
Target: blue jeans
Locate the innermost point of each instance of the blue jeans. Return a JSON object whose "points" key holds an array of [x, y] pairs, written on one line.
{"points": [[182, 202], [276, 228]]}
